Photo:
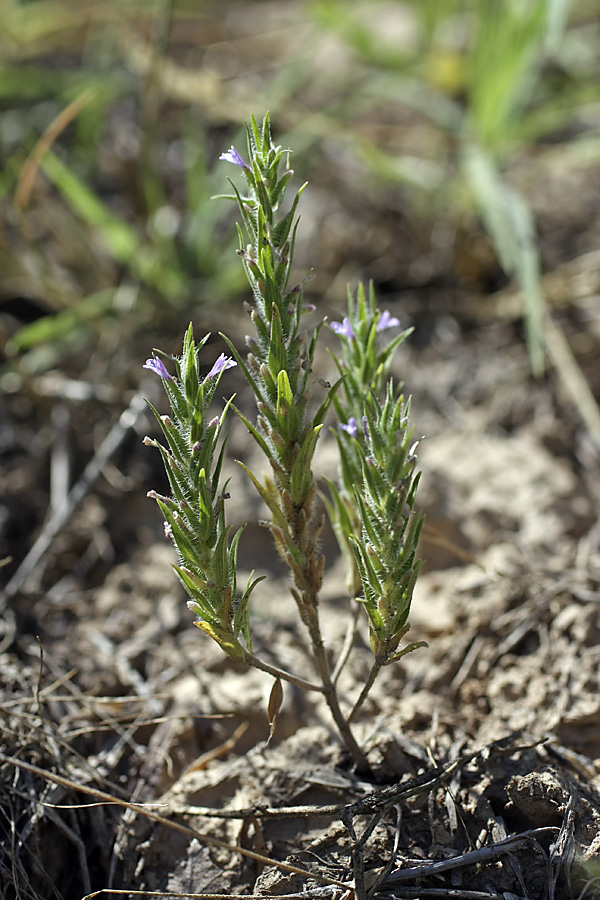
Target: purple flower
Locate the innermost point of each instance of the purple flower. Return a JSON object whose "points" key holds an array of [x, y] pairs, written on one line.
{"points": [[387, 321], [158, 367], [351, 428], [344, 329], [234, 157], [223, 362]]}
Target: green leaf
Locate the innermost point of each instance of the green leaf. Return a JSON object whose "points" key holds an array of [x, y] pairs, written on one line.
{"points": [[277, 358], [288, 423], [323, 409], [301, 477], [282, 229], [269, 500], [242, 620], [220, 560], [249, 226], [195, 587], [254, 432], [285, 398], [225, 639], [279, 519], [416, 645]]}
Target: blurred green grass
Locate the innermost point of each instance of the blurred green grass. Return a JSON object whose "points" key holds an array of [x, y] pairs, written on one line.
{"points": [[108, 221], [494, 78]]}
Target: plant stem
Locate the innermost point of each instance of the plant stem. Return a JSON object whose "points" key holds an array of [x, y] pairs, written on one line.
{"points": [[346, 646], [257, 663], [375, 669], [333, 703], [306, 526]]}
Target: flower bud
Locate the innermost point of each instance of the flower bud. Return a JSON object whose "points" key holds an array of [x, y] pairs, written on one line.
{"points": [[154, 496]]}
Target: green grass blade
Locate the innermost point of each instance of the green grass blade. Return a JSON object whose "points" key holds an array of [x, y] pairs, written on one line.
{"points": [[510, 224]]}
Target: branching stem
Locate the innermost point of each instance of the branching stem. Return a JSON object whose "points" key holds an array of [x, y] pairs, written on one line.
{"points": [[257, 663]]}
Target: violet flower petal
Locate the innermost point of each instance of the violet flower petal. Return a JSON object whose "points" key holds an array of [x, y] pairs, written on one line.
{"points": [[234, 157], [222, 363], [387, 321], [344, 329], [158, 367], [351, 428]]}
